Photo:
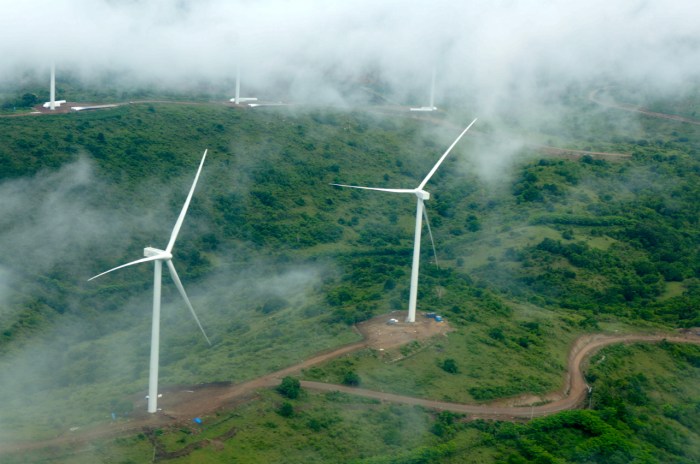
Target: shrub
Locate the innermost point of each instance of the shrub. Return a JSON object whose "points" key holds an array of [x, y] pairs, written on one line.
{"points": [[351, 379], [449, 365], [290, 387], [286, 409]]}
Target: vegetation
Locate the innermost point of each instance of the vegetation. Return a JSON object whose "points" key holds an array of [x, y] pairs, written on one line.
{"points": [[644, 409], [290, 387], [279, 264]]}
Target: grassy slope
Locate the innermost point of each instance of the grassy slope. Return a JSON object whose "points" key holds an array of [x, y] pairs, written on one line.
{"points": [[644, 410], [262, 196]]}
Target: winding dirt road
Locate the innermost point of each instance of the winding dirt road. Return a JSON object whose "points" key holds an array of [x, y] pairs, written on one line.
{"points": [[180, 404], [572, 395], [594, 97]]}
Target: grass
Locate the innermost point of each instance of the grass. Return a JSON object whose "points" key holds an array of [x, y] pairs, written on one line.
{"points": [[336, 427], [490, 354], [276, 228], [323, 428], [114, 368], [493, 243], [672, 290]]}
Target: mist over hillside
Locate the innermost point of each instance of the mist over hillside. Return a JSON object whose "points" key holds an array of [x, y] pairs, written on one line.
{"points": [[491, 57], [570, 208]]}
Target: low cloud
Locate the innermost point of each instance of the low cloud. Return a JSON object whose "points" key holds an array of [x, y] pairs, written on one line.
{"points": [[489, 55]]}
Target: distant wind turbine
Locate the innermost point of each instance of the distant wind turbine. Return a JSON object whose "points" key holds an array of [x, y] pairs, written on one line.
{"points": [[237, 99], [53, 103], [52, 90], [158, 256], [421, 196], [432, 106]]}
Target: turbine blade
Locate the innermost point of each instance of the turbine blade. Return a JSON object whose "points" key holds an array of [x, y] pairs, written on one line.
{"points": [[142, 260], [178, 284], [377, 188], [444, 155], [178, 224], [430, 232]]}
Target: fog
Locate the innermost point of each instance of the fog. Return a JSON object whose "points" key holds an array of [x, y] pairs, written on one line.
{"points": [[59, 227], [494, 59], [487, 54]]}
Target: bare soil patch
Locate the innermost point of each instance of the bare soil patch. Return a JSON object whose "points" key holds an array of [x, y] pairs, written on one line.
{"points": [[379, 334], [181, 404]]}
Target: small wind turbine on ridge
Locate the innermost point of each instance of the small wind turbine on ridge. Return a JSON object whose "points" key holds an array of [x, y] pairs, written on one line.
{"points": [[53, 103], [158, 256], [432, 106], [237, 99], [421, 196]]}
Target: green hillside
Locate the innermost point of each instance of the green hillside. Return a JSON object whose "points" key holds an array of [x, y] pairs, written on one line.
{"points": [[534, 249]]}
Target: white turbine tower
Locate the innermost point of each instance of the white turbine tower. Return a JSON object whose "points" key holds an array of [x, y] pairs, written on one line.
{"points": [[237, 99], [52, 90], [421, 196], [53, 103], [432, 106], [158, 256]]}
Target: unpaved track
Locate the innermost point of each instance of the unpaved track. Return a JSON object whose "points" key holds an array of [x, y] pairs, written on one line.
{"points": [[593, 96], [571, 396], [180, 406]]}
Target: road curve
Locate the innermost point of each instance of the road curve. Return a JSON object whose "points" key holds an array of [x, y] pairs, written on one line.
{"points": [[572, 395], [593, 96], [209, 399]]}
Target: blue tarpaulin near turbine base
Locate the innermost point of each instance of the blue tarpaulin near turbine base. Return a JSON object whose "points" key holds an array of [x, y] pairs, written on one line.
{"points": [[197, 420]]}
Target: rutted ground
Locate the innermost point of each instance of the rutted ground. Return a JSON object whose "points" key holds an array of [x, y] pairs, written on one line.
{"points": [[182, 403]]}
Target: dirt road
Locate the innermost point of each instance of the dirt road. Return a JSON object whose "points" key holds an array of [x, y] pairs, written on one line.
{"points": [[593, 96], [181, 404], [572, 395]]}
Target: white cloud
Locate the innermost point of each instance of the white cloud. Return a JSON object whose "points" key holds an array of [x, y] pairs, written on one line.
{"points": [[485, 48]]}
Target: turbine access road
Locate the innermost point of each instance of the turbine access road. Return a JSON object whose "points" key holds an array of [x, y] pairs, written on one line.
{"points": [[180, 405]]}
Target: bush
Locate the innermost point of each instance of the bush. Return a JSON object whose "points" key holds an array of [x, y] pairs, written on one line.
{"points": [[351, 379], [274, 304], [286, 409], [290, 387], [449, 365]]}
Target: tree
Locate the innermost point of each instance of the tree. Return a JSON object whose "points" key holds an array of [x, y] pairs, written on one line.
{"points": [[290, 387], [449, 365], [351, 379], [29, 100], [286, 409]]}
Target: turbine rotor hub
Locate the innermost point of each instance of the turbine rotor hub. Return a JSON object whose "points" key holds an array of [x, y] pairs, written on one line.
{"points": [[422, 194], [150, 251]]}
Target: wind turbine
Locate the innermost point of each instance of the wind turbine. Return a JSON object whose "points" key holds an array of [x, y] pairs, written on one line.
{"points": [[432, 106], [421, 196], [158, 256], [238, 99], [52, 90], [53, 103]]}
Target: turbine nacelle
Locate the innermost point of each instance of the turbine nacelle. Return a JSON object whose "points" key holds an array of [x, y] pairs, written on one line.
{"points": [[422, 194], [150, 252]]}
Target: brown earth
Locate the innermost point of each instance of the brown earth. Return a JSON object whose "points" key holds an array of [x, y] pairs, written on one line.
{"points": [[181, 404], [570, 396], [594, 97]]}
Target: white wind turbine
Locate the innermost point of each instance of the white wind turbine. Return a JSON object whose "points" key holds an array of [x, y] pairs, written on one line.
{"points": [[421, 196], [237, 99], [53, 103], [432, 106], [158, 256]]}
